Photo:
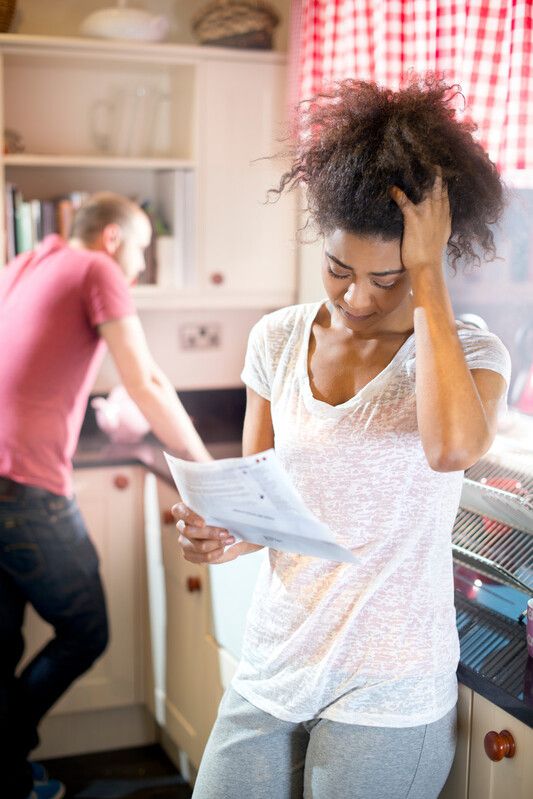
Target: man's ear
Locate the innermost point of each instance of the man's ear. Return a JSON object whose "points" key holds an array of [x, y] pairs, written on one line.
{"points": [[112, 238]]}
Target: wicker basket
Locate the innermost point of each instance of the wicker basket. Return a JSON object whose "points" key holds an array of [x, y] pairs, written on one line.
{"points": [[236, 23], [7, 9]]}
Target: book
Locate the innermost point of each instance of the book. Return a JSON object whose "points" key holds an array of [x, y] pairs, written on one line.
{"points": [[64, 217], [9, 205], [175, 204], [48, 218], [36, 222], [23, 225]]}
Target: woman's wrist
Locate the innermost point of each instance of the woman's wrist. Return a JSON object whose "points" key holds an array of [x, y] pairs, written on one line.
{"points": [[428, 282], [427, 270], [430, 292]]}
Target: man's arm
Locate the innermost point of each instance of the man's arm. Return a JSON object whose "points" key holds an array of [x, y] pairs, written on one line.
{"points": [[149, 387]]}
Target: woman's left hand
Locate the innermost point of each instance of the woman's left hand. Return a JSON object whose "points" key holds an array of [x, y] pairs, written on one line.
{"points": [[427, 227]]}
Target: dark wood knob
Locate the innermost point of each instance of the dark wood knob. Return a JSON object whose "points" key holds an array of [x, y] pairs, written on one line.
{"points": [[121, 482], [499, 745], [194, 584], [217, 278], [168, 518]]}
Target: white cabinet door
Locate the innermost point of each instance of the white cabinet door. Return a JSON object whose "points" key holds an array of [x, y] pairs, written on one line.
{"points": [[232, 586], [193, 687], [111, 504], [248, 244], [156, 622], [509, 778]]}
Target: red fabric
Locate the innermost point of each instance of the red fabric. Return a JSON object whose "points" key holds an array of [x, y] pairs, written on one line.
{"points": [[484, 45], [51, 301]]}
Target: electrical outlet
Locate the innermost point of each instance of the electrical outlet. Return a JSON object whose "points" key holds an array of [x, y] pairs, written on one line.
{"points": [[200, 337]]}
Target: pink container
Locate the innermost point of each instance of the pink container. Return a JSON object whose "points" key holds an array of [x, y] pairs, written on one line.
{"points": [[530, 628]]}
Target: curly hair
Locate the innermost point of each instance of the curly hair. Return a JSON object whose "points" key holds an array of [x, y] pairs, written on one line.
{"points": [[359, 139]]}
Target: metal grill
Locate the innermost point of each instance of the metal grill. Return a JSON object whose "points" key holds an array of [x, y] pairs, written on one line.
{"points": [[489, 472], [503, 550], [492, 646]]}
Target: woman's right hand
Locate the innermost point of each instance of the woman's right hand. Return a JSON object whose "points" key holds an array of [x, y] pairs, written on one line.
{"points": [[204, 544]]}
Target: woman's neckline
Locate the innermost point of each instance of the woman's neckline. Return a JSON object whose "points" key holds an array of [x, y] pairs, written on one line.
{"points": [[316, 403]]}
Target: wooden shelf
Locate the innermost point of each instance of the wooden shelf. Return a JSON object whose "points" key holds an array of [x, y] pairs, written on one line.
{"points": [[223, 109], [81, 47], [96, 162]]}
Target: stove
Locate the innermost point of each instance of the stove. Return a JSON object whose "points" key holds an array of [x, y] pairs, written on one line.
{"points": [[492, 542]]}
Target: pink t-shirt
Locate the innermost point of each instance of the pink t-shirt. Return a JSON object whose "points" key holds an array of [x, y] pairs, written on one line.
{"points": [[51, 302]]}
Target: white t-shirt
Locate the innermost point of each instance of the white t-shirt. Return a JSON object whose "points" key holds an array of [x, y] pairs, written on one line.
{"points": [[386, 625]]}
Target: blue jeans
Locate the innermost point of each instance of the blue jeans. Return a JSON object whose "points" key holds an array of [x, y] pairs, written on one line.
{"points": [[48, 560]]}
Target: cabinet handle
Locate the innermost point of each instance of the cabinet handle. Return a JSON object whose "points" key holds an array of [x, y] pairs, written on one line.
{"points": [[217, 278], [168, 518], [499, 745], [194, 584], [121, 482]]}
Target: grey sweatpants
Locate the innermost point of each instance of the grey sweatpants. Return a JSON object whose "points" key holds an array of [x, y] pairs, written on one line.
{"points": [[253, 755]]}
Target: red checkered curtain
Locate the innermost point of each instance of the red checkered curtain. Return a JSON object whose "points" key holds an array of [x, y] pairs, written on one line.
{"points": [[484, 45]]}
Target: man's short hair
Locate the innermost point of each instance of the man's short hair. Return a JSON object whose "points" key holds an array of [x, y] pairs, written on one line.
{"points": [[100, 210]]}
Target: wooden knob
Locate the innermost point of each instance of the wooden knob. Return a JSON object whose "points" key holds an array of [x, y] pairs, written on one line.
{"points": [[217, 278], [194, 584], [168, 518], [121, 482], [499, 745]]}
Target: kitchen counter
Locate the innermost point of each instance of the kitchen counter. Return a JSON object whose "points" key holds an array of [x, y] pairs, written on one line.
{"points": [[494, 660], [504, 676], [96, 450]]}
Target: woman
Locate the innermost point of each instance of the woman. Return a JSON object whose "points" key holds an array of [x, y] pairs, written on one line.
{"points": [[376, 401]]}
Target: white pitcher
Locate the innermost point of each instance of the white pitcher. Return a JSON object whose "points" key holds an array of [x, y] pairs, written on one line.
{"points": [[125, 122]]}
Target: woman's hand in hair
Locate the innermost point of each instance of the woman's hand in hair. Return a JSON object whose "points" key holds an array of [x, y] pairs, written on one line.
{"points": [[427, 227]]}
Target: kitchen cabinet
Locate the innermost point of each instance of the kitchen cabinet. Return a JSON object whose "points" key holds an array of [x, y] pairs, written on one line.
{"points": [[474, 775], [192, 685], [205, 115], [156, 612], [510, 776], [247, 246], [110, 500]]}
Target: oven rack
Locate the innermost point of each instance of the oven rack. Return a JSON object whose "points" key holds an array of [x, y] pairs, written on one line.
{"points": [[505, 551]]}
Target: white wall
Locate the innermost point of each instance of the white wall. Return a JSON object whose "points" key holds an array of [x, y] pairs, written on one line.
{"points": [[193, 369], [310, 288], [63, 17]]}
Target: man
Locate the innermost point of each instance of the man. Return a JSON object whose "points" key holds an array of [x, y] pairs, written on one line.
{"points": [[59, 305]]}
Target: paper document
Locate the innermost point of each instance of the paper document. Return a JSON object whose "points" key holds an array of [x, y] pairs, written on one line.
{"points": [[254, 499]]}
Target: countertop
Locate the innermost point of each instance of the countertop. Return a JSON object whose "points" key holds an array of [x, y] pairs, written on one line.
{"points": [[96, 450], [514, 696], [494, 660]]}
